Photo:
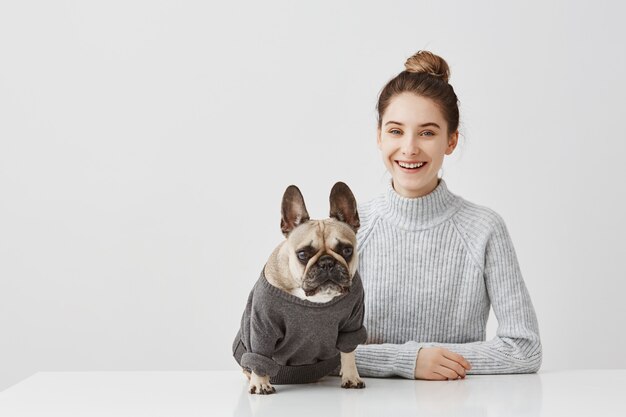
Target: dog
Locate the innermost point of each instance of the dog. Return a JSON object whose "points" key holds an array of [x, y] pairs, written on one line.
{"points": [[304, 316]]}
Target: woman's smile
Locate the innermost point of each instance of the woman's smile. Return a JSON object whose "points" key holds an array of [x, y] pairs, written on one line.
{"points": [[411, 167]]}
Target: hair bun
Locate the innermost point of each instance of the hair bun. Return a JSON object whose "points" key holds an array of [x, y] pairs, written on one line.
{"points": [[429, 63]]}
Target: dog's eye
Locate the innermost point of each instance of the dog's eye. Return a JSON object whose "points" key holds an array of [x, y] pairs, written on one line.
{"points": [[303, 256], [346, 252]]}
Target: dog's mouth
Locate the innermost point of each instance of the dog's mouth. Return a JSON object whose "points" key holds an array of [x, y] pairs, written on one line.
{"points": [[327, 287], [325, 278]]}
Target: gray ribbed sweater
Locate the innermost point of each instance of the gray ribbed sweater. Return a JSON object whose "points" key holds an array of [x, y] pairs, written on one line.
{"points": [[431, 268]]}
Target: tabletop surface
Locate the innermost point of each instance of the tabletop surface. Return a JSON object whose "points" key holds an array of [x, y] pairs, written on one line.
{"points": [[213, 393]]}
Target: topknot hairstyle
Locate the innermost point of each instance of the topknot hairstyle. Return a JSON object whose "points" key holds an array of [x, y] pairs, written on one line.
{"points": [[429, 63], [426, 75]]}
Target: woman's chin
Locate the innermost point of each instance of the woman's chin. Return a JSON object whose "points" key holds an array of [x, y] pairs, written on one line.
{"points": [[413, 187]]}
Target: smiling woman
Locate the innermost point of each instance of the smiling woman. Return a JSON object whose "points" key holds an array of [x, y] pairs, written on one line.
{"points": [[413, 143], [431, 262], [417, 123]]}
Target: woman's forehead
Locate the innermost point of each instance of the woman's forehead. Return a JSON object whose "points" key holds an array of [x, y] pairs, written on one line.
{"points": [[411, 109]]}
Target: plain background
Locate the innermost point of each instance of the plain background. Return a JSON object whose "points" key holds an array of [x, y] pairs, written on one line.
{"points": [[145, 147]]}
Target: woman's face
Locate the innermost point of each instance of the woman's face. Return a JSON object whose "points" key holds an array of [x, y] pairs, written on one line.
{"points": [[414, 131]]}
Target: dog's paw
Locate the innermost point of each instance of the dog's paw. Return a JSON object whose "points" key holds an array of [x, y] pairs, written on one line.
{"points": [[349, 374], [260, 385], [354, 382], [262, 389]]}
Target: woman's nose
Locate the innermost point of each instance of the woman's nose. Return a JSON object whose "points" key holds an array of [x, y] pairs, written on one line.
{"points": [[409, 146]]}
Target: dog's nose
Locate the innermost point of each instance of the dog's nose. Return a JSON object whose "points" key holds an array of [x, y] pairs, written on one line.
{"points": [[326, 262]]}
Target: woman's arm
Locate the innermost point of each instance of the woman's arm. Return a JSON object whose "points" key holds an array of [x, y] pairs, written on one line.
{"points": [[516, 347], [387, 359]]}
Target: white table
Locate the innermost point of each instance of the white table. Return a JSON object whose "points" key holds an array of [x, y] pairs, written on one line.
{"points": [[218, 393]]}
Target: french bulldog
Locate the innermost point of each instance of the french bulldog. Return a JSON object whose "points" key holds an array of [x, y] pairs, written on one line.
{"points": [[304, 316]]}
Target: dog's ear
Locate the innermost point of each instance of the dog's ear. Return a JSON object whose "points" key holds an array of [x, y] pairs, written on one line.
{"points": [[293, 210], [343, 205]]}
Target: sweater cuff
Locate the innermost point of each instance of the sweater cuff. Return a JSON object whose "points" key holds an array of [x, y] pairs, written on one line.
{"points": [[259, 364], [404, 365], [388, 359], [348, 341]]}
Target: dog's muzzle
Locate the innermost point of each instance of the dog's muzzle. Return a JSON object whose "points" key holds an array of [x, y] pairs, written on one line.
{"points": [[327, 273]]}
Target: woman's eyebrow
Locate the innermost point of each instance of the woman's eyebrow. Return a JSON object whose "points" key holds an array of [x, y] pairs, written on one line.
{"points": [[422, 125]]}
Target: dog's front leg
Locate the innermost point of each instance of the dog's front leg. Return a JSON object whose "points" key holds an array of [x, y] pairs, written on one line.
{"points": [[260, 384], [349, 374]]}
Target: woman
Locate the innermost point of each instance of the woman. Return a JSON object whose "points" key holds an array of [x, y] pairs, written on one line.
{"points": [[432, 263]]}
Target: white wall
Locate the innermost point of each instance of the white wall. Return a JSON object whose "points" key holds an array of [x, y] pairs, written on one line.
{"points": [[145, 146]]}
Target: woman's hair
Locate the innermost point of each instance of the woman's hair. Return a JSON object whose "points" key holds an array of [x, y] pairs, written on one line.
{"points": [[426, 75]]}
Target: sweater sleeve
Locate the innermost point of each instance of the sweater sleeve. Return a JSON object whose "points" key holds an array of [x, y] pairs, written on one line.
{"points": [[263, 335], [387, 359], [352, 332], [516, 348]]}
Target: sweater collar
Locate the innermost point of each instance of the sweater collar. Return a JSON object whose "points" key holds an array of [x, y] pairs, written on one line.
{"points": [[420, 212]]}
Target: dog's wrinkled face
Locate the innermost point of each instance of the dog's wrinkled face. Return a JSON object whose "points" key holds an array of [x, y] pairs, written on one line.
{"points": [[322, 256], [322, 253]]}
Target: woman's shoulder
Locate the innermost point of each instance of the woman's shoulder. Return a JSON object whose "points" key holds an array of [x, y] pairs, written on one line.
{"points": [[368, 213], [366, 209], [478, 223]]}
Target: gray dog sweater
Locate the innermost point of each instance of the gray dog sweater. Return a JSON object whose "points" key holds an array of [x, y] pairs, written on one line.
{"points": [[294, 340]]}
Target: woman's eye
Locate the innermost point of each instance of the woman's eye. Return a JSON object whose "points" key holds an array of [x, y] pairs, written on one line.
{"points": [[394, 130], [429, 133]]}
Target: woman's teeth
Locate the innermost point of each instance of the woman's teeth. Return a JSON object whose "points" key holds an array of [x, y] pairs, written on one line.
{"points": [[411, 166]]}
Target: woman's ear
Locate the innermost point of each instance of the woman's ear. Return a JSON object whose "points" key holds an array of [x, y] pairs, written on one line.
{"points": [[378, 138], [452, 142]]}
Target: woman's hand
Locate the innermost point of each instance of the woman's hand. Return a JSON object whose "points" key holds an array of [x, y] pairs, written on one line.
{"points": [[439, 364]]}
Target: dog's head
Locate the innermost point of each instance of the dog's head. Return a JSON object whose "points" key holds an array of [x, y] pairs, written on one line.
{"points": [[322, 253]]}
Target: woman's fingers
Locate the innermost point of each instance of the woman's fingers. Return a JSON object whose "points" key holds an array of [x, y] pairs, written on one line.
{"points": [[457, 358], [440, 364], [446, 372], [437, 377], [455, 366]]}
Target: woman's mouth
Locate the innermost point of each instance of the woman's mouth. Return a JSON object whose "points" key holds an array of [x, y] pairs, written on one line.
{"points": [[411, 166]]}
